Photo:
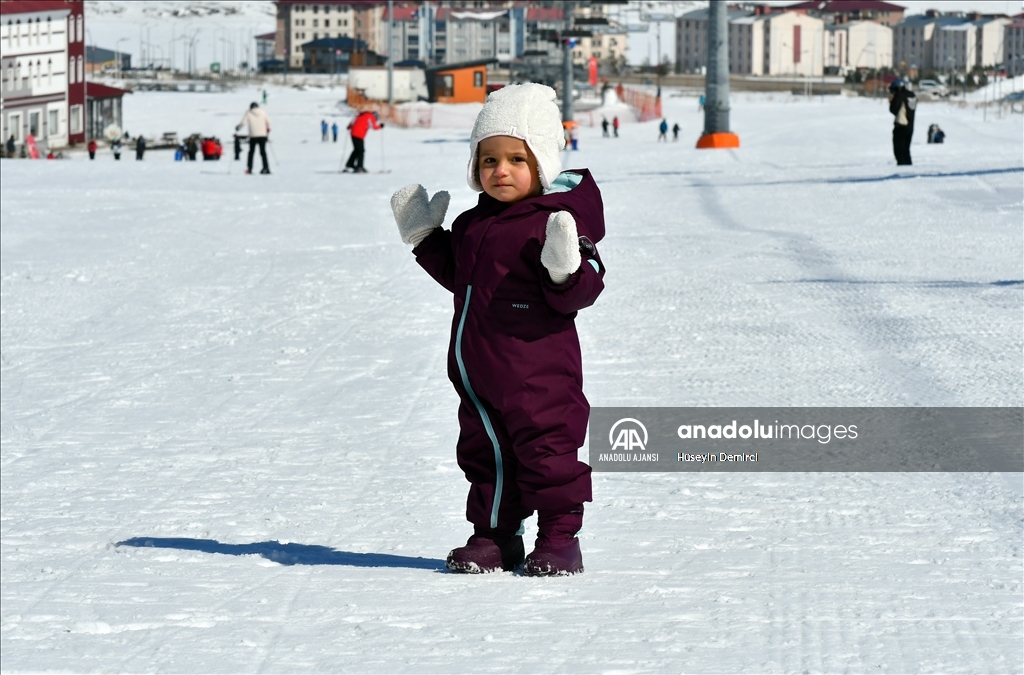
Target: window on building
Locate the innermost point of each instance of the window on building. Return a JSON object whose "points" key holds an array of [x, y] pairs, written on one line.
{"points": [[444, 85], [49, 72], [80, 33], [478, 79], [14, 123], [316, 22], [53, 129], [316, 8], [327, 23], [33, 124], [81, 70]]}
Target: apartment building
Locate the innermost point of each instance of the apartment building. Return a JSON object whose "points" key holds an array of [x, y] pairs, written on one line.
{"points": [[857, 44], [42, 62]]}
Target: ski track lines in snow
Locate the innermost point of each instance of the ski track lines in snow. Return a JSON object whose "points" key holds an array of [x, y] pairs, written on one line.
{"points": [[228, 436]]}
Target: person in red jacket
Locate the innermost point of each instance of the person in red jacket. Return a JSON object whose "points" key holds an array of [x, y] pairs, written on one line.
{"points": [[91, 147], [359, 127], [520, 265]]}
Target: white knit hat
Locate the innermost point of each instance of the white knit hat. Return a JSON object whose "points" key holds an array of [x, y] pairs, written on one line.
{"points": [[524, 111]]}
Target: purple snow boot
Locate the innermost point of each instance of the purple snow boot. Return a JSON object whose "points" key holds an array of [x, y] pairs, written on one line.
{"points": [[487, 552], [557, 550]]}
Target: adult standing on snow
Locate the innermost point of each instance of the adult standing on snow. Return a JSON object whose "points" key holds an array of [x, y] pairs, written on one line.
{"points": [[259, 128], [675, 132], [604, 127], [115, 147], [663, 131], [902, 104], [140, 148], [334, 132], [323, 130], [91, 147], [359, 127], [615, 125]]}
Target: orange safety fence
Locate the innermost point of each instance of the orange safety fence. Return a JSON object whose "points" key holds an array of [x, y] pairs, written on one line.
{"points": [[646, 105], [393, 114]]}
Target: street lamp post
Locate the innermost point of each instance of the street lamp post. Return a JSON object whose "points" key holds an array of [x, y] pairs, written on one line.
{"points": [[117, 56]]}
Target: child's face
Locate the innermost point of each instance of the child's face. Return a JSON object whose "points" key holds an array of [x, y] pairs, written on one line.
{"points": [[507, 168]]}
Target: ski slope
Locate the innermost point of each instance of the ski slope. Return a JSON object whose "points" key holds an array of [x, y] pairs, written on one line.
{"points": [[228, 437]]}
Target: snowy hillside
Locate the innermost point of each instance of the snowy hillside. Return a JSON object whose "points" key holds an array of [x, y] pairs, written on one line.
{"points": [[228, 436], [157, 30]]}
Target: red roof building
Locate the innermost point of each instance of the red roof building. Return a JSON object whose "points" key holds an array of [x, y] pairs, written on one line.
{"points": [[844, 11], [44, 57]]}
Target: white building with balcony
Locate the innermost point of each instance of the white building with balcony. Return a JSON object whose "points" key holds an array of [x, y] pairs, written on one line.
{"points": [[34, 65]]}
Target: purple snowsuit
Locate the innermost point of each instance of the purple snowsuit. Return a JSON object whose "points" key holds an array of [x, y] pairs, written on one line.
{"points": [[514, 355]]}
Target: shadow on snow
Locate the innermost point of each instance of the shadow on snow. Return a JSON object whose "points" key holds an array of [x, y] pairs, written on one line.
{"points": [[288, 554], [927, 284], [864, 179]]}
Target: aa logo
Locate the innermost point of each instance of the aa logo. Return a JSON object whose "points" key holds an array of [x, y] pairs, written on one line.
{"points": [[628, 436]]}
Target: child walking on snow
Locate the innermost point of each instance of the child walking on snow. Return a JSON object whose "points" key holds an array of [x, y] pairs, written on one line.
{"points": [[520, 264]]}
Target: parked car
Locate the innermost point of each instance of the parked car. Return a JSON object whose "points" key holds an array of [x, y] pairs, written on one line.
{"points": [[933, 87]]}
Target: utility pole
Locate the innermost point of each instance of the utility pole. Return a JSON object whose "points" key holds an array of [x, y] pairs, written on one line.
{"points": [[716, 107], [567, 113], [391, 57]]}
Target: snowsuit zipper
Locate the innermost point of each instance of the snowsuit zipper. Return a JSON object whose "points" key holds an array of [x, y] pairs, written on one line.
{"points": [[499, 478]]}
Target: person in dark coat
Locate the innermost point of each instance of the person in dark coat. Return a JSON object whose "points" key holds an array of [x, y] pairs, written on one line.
{"points": [[334, 132], [675, 132], [663, 131], [902, 104], [238, 146], [323, 130], [604, 127], [12, 147], [359, 127], [520, 265], [140, 148], [115, 147], [191, 148]]}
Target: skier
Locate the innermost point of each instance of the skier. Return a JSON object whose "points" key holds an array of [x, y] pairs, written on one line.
{"points": [[140, 148], [115, 147], [264, 97], [663, 131], [902, 103], [11, 147], [604, 127], [675, 132], [91, 147], [323, 130], [358, 128], [615, 125], [259, 128], [334, 132], [701, 101], [521, 263]]}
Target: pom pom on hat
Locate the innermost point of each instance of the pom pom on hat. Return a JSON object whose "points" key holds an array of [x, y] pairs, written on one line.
{"points": [[524, 111]]}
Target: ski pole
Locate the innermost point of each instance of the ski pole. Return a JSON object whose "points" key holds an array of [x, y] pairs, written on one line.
{"points": [[344, 149], [383, 164], [273, 153]]}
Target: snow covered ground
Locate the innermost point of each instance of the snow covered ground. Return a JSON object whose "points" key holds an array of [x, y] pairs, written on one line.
{"points": [[227, 433]]}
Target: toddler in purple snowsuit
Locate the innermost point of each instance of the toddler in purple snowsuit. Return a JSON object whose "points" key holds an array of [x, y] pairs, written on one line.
{"points": [[520, 264]]}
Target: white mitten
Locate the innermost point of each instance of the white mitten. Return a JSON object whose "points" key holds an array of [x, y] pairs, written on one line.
{"points": [[561, 252], [416, 217]]}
